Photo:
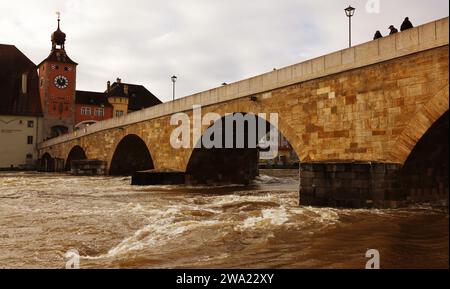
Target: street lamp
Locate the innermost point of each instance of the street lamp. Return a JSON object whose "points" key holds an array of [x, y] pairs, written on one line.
{"points": [[350, 11], [174, 79]]}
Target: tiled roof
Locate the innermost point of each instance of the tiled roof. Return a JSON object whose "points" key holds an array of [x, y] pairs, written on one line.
{"points": [[13, 64], [59, 55], [92, 98], [139, 96]]}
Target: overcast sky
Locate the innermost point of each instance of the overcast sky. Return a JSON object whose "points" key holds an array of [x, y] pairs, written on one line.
{"points": [[203, 42]]}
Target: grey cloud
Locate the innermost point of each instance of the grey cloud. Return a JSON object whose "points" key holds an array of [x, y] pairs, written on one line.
{"points": [[204, 42]]}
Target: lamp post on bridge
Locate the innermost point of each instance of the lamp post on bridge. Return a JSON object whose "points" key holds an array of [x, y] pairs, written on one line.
{"points": [[350, 11], [174, 79]]}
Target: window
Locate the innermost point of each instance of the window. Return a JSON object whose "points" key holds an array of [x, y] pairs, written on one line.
{"points": [[42, 82], [30, 139], [66, 108], [24, 83], [54, 106], [119, 113], [30, 123], [99, 112], [29, 156], [85, 111]]}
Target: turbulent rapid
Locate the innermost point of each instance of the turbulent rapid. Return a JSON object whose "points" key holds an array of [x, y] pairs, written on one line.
{"points": [[115, 225]]}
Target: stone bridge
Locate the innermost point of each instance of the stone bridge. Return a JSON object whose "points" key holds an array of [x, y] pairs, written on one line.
{"points": [[369, 124]]}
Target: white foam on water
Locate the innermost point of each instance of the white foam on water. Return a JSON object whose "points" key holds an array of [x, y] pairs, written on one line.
{"points": [[268, 218], [161, 228], [265, 179]]}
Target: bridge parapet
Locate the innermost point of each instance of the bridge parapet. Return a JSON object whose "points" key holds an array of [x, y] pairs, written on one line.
{"points": [[424, 37]]}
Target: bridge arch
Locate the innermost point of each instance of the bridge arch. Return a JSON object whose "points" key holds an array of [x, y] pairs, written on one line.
{"points": [[425, 173], [226, 160], [59, 130], [47, 163], [130, 155], [246, 106], [422, 121], [75, 154]]}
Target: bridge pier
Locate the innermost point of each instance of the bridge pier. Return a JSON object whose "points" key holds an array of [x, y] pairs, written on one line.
{"points": [[50, 165], [88, 168], [351, 184], [370, 185], [155, 177]]}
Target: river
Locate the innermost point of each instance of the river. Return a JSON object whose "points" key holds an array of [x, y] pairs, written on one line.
{"points": [[115, 225]]}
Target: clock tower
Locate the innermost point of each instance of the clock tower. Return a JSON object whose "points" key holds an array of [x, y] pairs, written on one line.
{"points": [[57, 84]]}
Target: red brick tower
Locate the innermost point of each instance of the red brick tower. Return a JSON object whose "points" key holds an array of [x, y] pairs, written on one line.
{"points": [[57, 84]]}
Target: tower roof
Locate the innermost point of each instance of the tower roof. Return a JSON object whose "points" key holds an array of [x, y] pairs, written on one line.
{"points": [[58, 54], [58, 37]]}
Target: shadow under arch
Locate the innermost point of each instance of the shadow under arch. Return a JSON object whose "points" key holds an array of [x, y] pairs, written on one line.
{"points": [[131, 155], [423, 119], [425, 173], [46, 163], [76, 153], [229, 150], [59, 130]]}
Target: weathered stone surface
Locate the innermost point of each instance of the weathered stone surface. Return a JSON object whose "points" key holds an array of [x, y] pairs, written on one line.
{"points": [[88, 168], [355, 185], [350, 126], [375, 130], [369, 103]]}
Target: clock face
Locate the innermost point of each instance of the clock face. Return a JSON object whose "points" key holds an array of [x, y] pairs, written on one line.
{"points": [[61, 82]]}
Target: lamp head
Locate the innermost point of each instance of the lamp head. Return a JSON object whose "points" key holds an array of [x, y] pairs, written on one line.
{"points": [[349, 11]]}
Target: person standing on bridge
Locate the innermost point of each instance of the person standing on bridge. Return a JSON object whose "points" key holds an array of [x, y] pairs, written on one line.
{"points": [[393, 30], [406, 24], [378, 35]]}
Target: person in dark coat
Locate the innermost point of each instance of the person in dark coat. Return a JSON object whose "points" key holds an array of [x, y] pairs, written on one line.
{"points": [[406, 25], [377, 35], [393, 30]]}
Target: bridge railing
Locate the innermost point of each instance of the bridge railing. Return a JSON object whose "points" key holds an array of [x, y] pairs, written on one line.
{"points": [[427, 36]]}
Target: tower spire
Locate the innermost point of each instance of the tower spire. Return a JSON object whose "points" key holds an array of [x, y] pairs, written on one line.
{"points": [[58, 37], [59, 17]]}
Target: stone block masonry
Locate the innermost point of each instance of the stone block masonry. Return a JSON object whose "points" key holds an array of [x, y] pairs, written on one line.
{"points": [[355, 116], [351, 185], [88, 168]]}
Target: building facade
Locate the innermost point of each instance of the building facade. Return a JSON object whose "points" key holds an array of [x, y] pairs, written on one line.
{"points": [[21, 118], [91, 107], [41, 102]]}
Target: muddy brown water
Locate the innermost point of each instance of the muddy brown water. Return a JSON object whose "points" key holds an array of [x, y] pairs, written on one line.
{"points": [[115, 225]]}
